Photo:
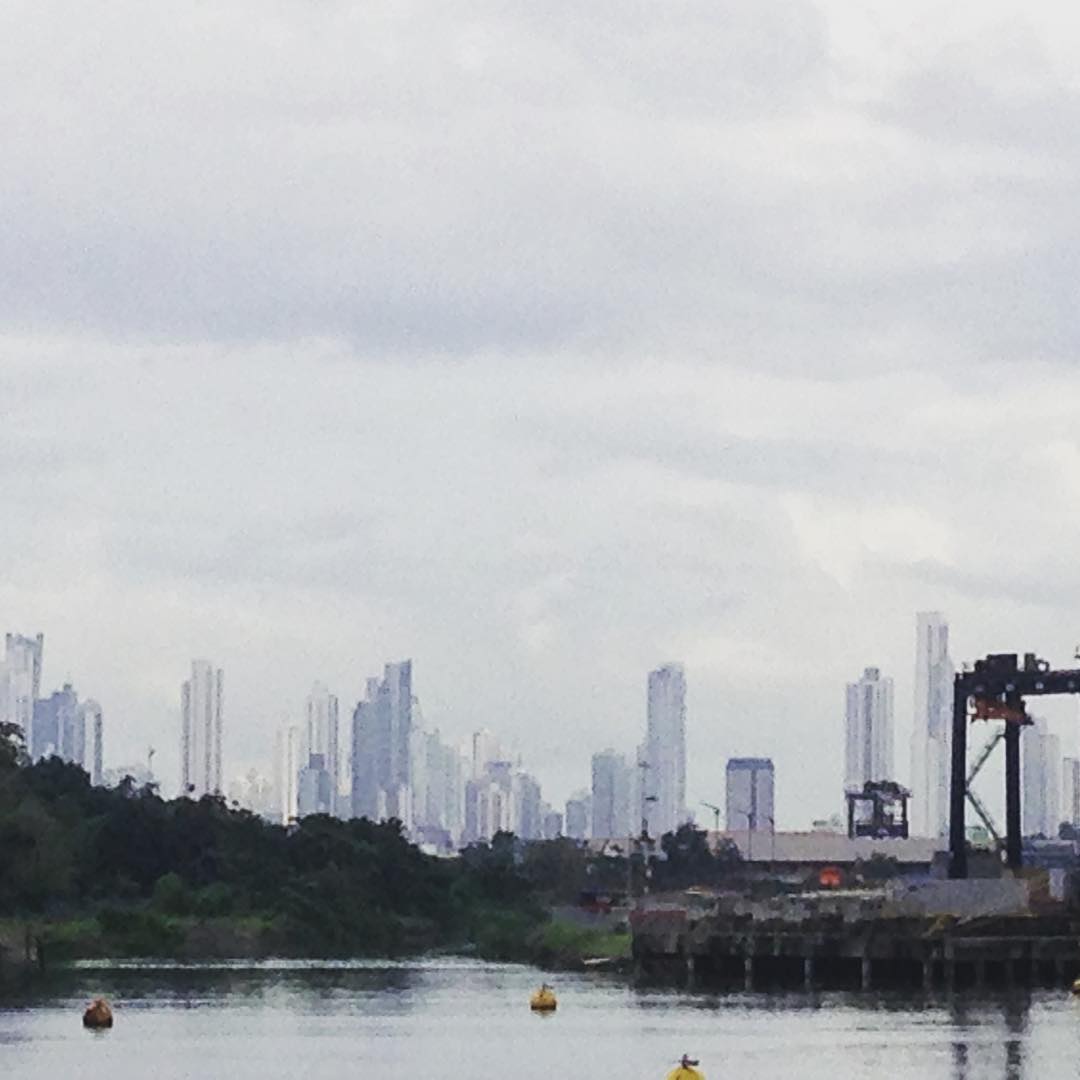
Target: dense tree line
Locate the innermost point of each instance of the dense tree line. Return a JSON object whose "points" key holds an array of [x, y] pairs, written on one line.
{"points": [[144, 868]]}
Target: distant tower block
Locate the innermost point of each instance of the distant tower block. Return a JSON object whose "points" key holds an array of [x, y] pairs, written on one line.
{"points": [[750, 795], [202, 701]]}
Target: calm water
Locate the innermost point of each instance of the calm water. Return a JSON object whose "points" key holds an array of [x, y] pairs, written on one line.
{"points": [[462, 1019]]}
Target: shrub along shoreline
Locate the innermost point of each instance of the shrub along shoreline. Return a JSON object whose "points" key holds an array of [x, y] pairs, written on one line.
{"points": [[92, 872]]}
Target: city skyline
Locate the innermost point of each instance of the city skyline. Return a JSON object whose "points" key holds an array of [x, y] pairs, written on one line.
{"points": [[309, 734], [553, 417]]}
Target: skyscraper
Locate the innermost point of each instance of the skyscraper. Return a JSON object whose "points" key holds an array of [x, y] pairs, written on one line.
{"points": [[381, 746], [92, 717], [527, 814], [485, 749], [1070, 791], [20, 681], [612, 781], [749, 795], [314, 790], [869, 751], [665, 750], [68, 729], [439, 773], [578, 812], [287, 773], [553, 824], [931, 734], [321, 709], [398, 695], [201, 700], [1040, 780], [54, 732]]}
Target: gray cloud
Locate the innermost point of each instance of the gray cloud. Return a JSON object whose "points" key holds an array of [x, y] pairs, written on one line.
{"points": [[542, 346]]}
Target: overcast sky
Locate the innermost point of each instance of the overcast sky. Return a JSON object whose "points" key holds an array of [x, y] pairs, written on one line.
{"points": [[542, 343]]}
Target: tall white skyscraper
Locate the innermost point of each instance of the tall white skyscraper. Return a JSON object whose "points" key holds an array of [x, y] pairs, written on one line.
{"points": [[869, 747], [287, 773], [94, 722], [20, 681], [665, 750], [1040, 780], [931, 733], [201, 701], [750, 794], [321, 709]]}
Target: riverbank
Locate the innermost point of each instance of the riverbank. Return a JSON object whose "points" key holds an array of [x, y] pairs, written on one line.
{"points": [[31, 946], [19, 958]]}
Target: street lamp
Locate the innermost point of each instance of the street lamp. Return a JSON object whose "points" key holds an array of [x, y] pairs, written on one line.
{"points": [[751, 826]]}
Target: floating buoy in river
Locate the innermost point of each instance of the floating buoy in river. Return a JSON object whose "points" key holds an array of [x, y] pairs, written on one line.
{"points": [[686, 1070], [98, 1014], [543, 1000]]}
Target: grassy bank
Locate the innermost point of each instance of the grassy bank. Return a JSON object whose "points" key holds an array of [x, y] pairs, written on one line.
{"points": [[553, 943], [526, 937], [567, 946], [134, 934]]}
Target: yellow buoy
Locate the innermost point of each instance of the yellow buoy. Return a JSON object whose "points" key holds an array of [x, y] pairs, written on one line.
{"points": [[543, 1000], [98, 1014], [1076, 987]]}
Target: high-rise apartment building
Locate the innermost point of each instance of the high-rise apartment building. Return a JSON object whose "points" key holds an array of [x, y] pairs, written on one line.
{"points": [[314, 788], [665, 750], [57, 729], [438, 787], [528, 818], [287, 773], [69, 729], [1070, 791], [491, 803], [485, 749], [20, 681], [1040, 780], [381, 747], [201, 705], [578, 813], [612, 781], [869, 746], [750, 792], [94, 720], [931, 734], [321, 731]]}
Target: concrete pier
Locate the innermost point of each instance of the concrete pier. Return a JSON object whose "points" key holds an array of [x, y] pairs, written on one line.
{"points": [[873, 954]]}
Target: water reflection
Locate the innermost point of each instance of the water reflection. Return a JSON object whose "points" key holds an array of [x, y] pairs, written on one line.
{"points": [[305, 987], [452, 1019], [970, 1016], [1017, 1017]]}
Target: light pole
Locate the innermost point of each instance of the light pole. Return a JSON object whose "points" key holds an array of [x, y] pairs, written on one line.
{"points": [[716, 814], [751, 824], [642, 844]]}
